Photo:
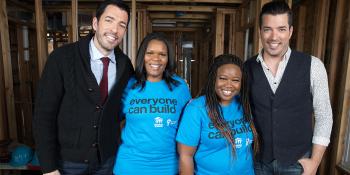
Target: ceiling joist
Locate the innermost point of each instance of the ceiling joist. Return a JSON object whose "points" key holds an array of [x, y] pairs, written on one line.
{"points": [[192, 1], [177, 16]]}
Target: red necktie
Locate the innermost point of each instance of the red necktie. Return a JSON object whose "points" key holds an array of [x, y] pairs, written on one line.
{"points": [[104, 80]]}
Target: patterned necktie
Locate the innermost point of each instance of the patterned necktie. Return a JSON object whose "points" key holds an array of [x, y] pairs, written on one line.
{"points": [[104, 80]]}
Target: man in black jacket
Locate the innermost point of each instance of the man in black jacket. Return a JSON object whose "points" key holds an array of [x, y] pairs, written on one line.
{"points": [[76, 124]]}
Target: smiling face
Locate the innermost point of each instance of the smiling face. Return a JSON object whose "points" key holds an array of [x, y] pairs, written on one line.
{"points": [[228, 83], [275, 34], [110, 29], [156, 59]]}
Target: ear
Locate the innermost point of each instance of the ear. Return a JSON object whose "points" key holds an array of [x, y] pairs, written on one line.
{"points": [[94, 23], [290, 31]]}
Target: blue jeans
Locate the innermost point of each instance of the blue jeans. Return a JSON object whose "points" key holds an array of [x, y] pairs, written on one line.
{"points": [[73, 168], [276, 168]]}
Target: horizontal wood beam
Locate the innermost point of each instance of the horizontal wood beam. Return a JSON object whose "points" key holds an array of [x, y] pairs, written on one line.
{"points": [[173, 15], [179, 20], [193, 1], [181, 8]]}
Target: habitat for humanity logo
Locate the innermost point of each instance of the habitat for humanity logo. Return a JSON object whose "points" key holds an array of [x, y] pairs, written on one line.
{"points": [[158, 122]]}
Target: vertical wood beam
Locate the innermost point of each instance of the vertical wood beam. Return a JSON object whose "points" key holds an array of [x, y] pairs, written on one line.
{"points": [[133, 31], [219, 33], [40, 36], [74, 16], [341, 116], [321, 21], [301, 28], [6, 56]]}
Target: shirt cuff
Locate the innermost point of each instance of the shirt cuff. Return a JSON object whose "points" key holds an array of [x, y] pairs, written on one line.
{"points": [[324, 141]]}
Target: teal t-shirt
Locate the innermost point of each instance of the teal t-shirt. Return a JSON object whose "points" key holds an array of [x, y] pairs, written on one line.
{"points": [[148, 138], [213, 155]]}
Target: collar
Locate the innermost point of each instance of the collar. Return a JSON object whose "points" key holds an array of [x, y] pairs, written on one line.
{"points": [[97, 55], [285, 58]]}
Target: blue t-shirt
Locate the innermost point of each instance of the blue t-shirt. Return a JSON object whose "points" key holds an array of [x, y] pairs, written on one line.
{"points": [[148, 138], [213, 155]]}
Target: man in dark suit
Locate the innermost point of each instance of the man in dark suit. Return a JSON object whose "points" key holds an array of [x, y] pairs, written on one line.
{"points": [[76, 123]]}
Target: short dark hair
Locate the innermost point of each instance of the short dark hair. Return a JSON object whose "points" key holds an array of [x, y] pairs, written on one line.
{"points": [[140, 71], [119, 3], [276, 8]]}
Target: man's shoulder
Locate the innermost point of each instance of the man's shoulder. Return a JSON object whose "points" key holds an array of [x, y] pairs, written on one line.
{"points": [[250, 60]]}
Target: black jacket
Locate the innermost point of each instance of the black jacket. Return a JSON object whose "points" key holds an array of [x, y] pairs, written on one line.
{"points": [[69, 122]]}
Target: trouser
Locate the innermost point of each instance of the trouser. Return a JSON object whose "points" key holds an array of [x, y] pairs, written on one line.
{"points": [[93, 168], [276, 168]]}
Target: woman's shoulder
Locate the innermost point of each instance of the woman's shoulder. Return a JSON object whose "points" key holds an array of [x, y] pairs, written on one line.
{"points": [[198, 102], [179, 79]]}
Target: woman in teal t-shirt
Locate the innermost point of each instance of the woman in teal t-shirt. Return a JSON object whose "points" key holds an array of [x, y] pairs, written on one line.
{"points": [[216, 132], [152, 104]]}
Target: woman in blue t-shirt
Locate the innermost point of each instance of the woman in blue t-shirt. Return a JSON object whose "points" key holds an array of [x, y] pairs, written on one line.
{"points": [[152, 104], [216, 132]]}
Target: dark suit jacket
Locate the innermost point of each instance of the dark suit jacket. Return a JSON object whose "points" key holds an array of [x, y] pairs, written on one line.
{"points": [[69, 121]]}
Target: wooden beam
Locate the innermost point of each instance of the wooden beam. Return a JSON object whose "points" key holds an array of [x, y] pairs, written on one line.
{"points": [[6, 57], [301, 28], [321, 21], [193, 1], [219, 33], [342, 65], [181, 8], [40, 36], [180, 20], [133, 31], [74, 18], [173, 16]]}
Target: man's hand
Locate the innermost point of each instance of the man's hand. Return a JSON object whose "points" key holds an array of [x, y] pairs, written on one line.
{"points": [[310, 166], [53, 173]]}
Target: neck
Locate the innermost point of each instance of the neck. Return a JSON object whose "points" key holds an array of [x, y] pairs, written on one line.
{"points": [[104, 52]]}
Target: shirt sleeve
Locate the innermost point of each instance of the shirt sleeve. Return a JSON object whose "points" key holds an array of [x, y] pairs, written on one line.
{"points": [[321, 103], [190, 126]]}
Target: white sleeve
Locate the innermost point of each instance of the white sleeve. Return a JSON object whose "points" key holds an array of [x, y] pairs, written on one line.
{"points": [[321, 103]]}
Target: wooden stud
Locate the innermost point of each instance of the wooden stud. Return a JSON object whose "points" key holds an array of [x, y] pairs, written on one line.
{"points": [[301, 28], [219, 33], [6, 57], [74, 18], [133, 31], [40, 35], [321, 21], [343, 100]]}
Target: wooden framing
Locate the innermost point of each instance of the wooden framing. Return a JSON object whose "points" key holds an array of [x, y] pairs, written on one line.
{"points": [[133, 32], [6, 57], [181, 8], [40, 35], [192, 1], [300, 35], [74, 20], [173, 16], [321, 20], [343, 100], [219, 32]]}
